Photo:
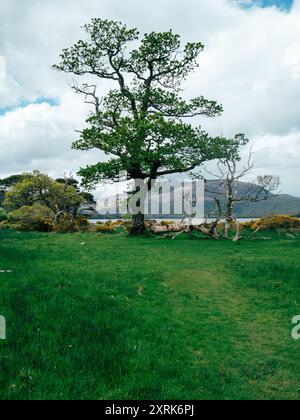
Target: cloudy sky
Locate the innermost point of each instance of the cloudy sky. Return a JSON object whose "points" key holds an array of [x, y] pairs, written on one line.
{"points": [[251, 65]]}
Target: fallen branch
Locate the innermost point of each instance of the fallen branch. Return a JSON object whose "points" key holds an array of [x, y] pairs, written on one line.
{"points": [[172, 231], [254, 233]]}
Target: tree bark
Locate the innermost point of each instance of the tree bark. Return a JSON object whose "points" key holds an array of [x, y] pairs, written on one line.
{"points": [[227, 228], [138, 214], [138, 224], [237, 236]]}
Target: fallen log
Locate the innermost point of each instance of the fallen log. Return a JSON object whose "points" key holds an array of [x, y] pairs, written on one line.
{"points": [[172, 231]]}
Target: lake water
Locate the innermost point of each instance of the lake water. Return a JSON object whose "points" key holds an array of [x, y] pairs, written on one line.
{"points": [[197, 221]]}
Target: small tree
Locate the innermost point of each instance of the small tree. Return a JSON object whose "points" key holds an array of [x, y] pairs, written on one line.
{"points": [[11, 181], [140, 124], [88, 197], [39, 188], [228, 196], [7, 183]]}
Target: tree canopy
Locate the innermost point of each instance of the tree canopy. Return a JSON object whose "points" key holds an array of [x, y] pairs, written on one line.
{"points": [[40, 189], [10, 181]]}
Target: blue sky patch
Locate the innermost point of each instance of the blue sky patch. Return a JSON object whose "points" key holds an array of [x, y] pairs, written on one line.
{"points": [[25, 102], [282, 4]]}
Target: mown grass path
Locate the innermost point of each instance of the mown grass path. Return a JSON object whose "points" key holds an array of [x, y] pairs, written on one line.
{"points": [[116, 317]]}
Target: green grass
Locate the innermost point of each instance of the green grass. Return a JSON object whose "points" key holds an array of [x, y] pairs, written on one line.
{"points": [[117, 317]]}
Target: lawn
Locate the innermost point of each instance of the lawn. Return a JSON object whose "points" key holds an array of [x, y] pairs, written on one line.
{"points": [[118, 317]]}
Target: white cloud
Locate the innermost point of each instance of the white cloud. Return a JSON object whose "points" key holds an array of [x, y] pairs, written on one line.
{"points": [[39, 136], [2, 68], [251, 64], [282, 151]]}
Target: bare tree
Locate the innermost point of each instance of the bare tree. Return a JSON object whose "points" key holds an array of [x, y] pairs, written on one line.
{"points": [[89, 92], [229, 196]]}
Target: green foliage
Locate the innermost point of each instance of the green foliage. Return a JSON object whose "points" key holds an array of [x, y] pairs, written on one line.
{"points": [[69, 181], [11, 181], [33, 218], [3, 215], [66, 223], [88, 198], [39, 188], [42, 219], [38, 203], [83, 224], [140, 126]]}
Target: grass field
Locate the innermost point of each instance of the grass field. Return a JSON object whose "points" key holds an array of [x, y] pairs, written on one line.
{"points": [[117, 317]]}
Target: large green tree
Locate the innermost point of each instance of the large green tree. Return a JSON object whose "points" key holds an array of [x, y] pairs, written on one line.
{"points": [[143, 125]]}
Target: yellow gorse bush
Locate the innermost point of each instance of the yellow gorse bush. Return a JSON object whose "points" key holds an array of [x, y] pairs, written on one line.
{"points": [[276, 222], [166, 223], [108, 227]]}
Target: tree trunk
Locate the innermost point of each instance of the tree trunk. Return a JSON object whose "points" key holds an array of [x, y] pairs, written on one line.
{"points": [[214, 230], [138, 210], [227, 228], [138, 224], [237, 236]]}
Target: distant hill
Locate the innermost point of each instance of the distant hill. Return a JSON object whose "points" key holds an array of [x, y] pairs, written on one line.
{"points": [[276, 204]]}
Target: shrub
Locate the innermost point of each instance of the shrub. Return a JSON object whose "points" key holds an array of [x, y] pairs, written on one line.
{"points": [[277, 222], [42, 219], [32, 218], [66, 223], [4, 225], [127, 225], [104, 228], [166, 223], [108, 227], [3, 215], [248, 225], [83, 224]]}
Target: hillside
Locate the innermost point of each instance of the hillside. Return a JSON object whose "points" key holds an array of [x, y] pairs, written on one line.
{"points": [[276, 204]]}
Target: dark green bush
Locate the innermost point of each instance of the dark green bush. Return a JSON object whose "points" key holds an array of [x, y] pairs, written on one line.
{"points": [[83, 224], [66, 223], [3, 215], [32, 218]]}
